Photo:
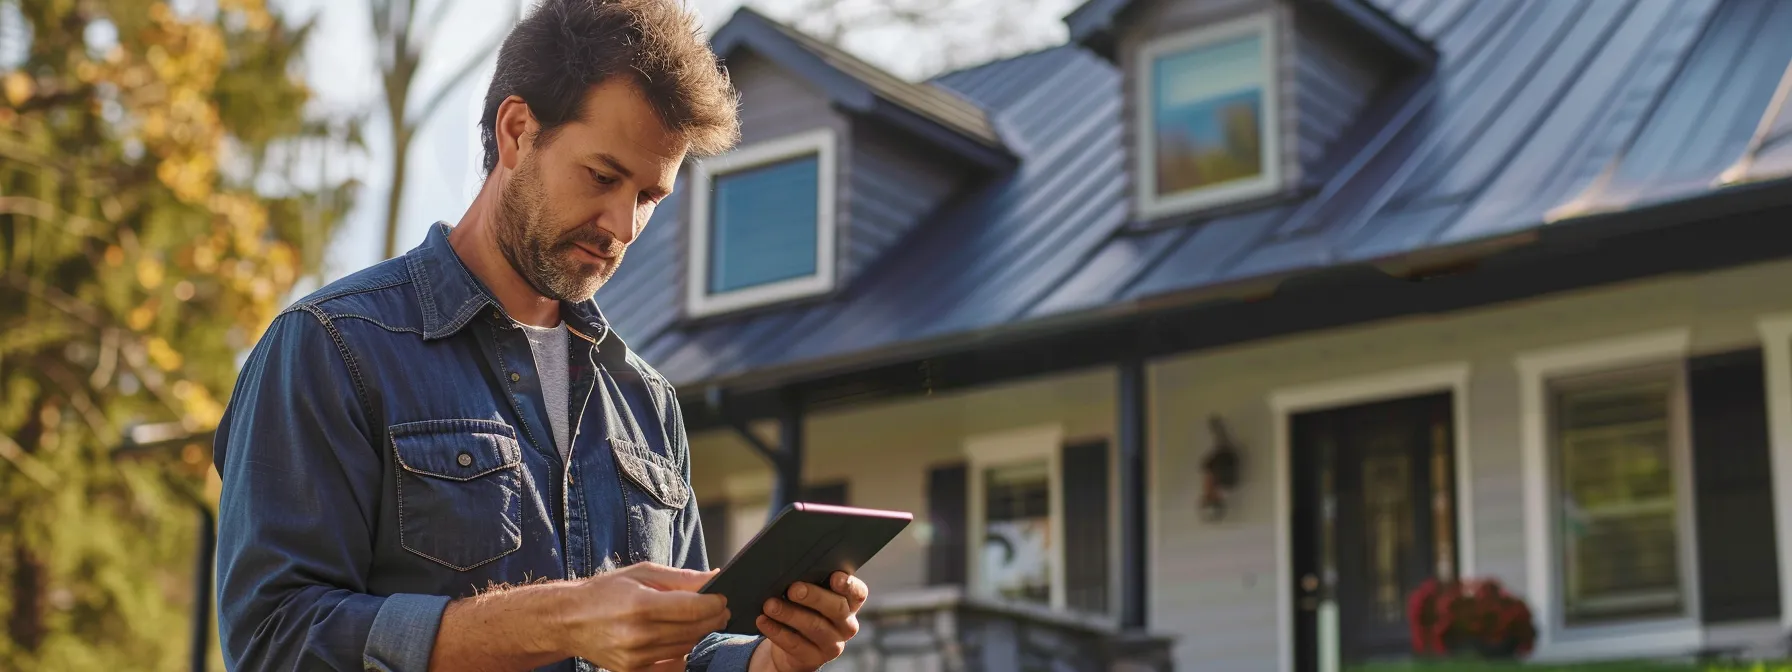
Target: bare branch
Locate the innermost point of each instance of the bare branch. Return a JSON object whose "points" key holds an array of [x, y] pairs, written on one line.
{"points": [[28, 465], [81, 310]]}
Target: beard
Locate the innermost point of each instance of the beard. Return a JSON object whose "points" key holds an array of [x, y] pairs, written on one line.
{"points": [[542, 249]]}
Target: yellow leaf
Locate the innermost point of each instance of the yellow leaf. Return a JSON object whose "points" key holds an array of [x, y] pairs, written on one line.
{"points": [[141, 317], [164, 355], [114, 255], [149, 273], [19, 87]]}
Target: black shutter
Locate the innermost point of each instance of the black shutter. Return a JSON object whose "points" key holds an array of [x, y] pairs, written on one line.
{"points": [[946, 494], [1738, 562], [825, 493], [1086, 526], [714, 519]]}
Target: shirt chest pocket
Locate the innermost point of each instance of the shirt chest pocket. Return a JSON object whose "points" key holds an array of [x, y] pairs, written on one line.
{"points": [[655, 493], [460, 490]]}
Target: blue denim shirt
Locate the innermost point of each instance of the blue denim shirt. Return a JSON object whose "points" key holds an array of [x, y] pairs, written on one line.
{"points": [[386, 449]]}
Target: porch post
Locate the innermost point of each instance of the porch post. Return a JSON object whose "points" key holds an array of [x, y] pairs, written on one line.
{"points": [[1133, 481], [788, 463]]}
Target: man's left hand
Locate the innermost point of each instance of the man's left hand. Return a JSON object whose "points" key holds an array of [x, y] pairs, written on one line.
{"points": [[810, 626]]}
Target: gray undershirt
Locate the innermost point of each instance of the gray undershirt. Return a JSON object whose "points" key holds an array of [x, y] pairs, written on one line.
{"points": [[551, 368]]}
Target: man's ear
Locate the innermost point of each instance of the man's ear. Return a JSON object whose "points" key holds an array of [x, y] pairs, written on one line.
{"points": [[515, 129]]}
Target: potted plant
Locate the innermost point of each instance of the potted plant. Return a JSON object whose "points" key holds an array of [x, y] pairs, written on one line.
{"points": [[1473, 618]]}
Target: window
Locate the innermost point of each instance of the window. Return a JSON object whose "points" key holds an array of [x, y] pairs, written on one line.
{"points": [[1618, 530], [762, 225], [1018, 553], [1207, 116]]}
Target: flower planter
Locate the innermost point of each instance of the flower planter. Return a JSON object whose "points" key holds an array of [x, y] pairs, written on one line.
{"points": [[1469, 619]]}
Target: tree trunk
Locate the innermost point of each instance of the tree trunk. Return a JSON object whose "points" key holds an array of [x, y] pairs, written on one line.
{"points": [[26, 623], [401, 148]]}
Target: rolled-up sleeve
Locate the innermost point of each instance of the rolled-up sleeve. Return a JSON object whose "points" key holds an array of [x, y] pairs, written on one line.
{"points": [[718, 652], [301, 484]]}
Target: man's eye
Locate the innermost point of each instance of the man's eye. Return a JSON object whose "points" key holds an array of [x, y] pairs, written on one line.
{"points": [[602, 179]]}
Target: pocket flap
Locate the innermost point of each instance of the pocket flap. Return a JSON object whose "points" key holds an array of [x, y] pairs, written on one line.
{"points": [[651, 473], [457, 450]]}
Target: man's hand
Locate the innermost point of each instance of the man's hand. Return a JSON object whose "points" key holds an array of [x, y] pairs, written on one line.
{"points": [[644, 616], [811, 627]]}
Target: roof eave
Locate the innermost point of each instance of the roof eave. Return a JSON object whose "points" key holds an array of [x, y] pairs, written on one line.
{"points": [[1092, 25], [748, 29]]}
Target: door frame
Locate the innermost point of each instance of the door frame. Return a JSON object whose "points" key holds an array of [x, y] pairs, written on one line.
{"points": [[1284, 403]]}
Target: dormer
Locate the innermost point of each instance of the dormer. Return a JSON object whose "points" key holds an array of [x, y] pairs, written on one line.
{"points": [[1235, 104], [838, 161]]}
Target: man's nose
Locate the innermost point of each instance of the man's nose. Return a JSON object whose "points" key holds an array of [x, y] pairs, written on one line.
{"points": [[619, 222]]}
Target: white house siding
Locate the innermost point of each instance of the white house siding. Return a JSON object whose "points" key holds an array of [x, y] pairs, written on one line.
{"points": [[1215, 586]]}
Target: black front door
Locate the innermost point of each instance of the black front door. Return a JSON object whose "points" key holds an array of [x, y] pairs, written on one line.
{"points": [[1373, 518]]}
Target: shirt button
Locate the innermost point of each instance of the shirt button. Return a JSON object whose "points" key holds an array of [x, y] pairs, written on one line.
{"points": [[465, 460], [516, 377]]}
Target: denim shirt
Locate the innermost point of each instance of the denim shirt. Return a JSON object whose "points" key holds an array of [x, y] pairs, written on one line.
{"points": [[387, 449]]}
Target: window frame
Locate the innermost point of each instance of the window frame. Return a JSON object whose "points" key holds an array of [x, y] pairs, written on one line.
{"points": [[1538, 370], [1676, 416], [1150, 206], [823, 144], [986, 451]]}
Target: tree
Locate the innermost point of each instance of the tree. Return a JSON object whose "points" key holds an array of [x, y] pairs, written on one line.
{"points": [[155, 209], [400, 35]]}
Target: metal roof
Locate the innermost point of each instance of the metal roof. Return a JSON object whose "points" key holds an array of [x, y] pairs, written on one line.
{"points": [[1539, 112]]}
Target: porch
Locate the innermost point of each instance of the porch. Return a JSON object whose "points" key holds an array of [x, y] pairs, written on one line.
{"points": [[1229, 588]]}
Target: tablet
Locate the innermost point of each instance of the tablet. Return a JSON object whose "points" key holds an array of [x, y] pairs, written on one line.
{"points": [[805, 542]]}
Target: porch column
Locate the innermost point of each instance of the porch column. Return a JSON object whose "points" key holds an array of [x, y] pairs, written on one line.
{"points": [[1134, 547], [788, 462], [1776, 346]]}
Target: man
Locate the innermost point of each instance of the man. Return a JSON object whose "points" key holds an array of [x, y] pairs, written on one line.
{"points": [[447, 461]]}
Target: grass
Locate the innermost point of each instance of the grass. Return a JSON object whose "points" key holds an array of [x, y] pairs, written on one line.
{"points": [[1489, 666]]}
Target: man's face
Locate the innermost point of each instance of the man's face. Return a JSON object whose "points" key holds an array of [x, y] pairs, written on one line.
{"points": [[573, 204]]}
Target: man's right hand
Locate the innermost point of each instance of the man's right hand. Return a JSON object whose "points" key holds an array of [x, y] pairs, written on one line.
{"points": [[641, 617]]}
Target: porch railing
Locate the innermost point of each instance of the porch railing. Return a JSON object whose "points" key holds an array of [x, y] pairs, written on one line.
{"points": [[944, 630]]}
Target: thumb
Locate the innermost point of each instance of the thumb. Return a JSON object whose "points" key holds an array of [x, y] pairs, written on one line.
{"points": [[662, 577]]}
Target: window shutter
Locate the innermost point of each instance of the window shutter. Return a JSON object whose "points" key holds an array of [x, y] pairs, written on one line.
{"points": [[825, 493], [947, 490], [1738, 563], [714, 519], [1086, 516]]}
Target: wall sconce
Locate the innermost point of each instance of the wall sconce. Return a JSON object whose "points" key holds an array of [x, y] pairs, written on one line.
{"points": [[1219, 470]]}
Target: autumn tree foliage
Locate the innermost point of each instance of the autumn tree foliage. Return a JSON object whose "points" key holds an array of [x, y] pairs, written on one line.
{"points": [[159, 199]]}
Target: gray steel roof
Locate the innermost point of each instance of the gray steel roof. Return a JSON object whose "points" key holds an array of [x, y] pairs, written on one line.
{"points": [[1540, 112]]}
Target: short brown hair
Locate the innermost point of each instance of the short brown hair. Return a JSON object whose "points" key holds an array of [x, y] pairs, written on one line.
{"points": [[553, 57]]}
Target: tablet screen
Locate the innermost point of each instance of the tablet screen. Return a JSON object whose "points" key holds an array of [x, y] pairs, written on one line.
{"points": [[804, 542]]}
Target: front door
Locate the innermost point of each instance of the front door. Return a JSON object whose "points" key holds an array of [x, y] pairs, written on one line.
{"points": [[1373, 518]]}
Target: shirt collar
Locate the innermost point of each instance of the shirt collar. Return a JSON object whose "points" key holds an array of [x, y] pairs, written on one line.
{"points": [[450, 296]]}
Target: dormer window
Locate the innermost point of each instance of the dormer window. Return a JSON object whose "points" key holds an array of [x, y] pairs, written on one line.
{"points": [[762, 224], [1208, 114]]}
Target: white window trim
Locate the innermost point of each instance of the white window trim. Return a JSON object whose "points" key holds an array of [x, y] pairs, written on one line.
{"points": [[1145, 168], [1776, 346], [1536, 368], [1452, 377], [1028, 444], [698, 301]]}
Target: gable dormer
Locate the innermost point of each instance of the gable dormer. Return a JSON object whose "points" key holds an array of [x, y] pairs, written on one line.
{"points": [[1232, 104], [838, 161]]}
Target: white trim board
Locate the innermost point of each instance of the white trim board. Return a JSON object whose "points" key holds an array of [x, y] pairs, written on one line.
{"points": [[820, 142], [1535, 369], [982, 451], [1776, 346], [1270, 180], [1450, 377]]}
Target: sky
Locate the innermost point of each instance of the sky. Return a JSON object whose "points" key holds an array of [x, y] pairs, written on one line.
{"points": [[443, 177]]}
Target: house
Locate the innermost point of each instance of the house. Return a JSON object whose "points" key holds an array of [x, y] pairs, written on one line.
{"points": [[1202, 340]]}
